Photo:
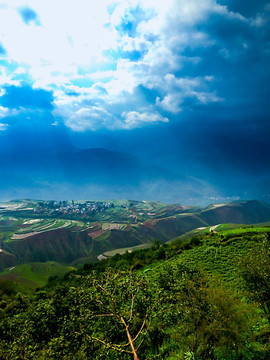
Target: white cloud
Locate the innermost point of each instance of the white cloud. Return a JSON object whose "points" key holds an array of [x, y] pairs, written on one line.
{"points": [[87, 118], [20, 70], [134, 119], [3, 127], [170, 103], [179, 89], [81, 41], [5, 112], [71, 35], [6, 79]]}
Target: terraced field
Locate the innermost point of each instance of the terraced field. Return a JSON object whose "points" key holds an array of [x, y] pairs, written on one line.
{"points": [[42, 226], [74, 233]]}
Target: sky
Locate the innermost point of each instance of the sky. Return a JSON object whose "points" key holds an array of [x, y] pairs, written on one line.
{"points": [[181, 86]]}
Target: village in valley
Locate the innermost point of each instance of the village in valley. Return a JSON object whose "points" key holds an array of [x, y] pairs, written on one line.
{"points": [[72, 207]]}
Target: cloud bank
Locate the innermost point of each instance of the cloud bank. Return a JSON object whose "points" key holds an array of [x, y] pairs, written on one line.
{"points": [[134, 63], [181, 84]]}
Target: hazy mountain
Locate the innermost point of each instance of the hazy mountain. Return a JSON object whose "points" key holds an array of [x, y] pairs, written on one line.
{"points": [[49, 165]]}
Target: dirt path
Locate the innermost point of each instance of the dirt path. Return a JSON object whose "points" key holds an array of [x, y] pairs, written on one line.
{"points": [[213, 228]]}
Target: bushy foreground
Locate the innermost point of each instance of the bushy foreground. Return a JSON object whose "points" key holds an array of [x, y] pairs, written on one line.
{"points": [[169, 310]]}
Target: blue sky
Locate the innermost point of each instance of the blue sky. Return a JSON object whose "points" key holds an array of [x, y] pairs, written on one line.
{"points": [[166, 79]]}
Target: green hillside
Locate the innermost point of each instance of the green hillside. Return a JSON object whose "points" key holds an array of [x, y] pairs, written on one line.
{"points": [[203, 297], [30, 276], [73, 233]]}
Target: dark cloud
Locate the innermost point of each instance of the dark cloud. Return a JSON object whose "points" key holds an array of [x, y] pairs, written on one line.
{"points": [[227, 30], [27, 97], [28, 15], [238, 60], [245, 7]]}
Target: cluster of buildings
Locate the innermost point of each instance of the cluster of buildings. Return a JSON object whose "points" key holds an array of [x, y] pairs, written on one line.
{"points": [[71, 207]]}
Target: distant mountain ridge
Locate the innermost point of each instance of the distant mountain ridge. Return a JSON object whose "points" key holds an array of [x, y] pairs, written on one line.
{"points": [[242, 212], [74, 173], [52, 163]]}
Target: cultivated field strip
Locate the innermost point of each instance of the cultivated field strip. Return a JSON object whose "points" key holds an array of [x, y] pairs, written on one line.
{"points": [[42, 229]]}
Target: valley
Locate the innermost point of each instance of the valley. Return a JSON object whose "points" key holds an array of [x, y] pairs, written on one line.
{"points": [[72, 233], [198, 289]]}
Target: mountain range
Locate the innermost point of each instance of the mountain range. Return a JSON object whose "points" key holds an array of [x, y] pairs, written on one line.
{"points": [[54, 164]]}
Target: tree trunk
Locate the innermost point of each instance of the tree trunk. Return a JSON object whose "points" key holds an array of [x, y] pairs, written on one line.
{"points": [[130, 340]]}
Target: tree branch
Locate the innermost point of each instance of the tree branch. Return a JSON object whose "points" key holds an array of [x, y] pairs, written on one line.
{"points": [[112, 346], [132, 305]]}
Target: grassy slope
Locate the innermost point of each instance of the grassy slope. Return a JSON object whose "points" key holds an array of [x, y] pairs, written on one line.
{"points": [[30, 276], [219, 253]]}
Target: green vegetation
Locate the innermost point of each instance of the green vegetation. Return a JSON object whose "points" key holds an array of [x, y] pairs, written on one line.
{"points": [[177, 283], [49, 232], [30, 276], [204, 297]]}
